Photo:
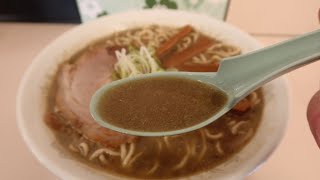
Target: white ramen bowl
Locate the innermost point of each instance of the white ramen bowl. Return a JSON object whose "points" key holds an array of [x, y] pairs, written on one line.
{"points": [[32, 92]]}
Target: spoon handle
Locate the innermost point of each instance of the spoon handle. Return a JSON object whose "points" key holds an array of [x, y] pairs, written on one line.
{"points": [[243, 74]]}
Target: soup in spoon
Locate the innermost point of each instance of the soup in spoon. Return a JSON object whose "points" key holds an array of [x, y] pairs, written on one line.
{"points": [[160, 104]]}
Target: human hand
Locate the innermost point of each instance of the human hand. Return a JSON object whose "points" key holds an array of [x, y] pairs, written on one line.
{"points": [[313, 115]]}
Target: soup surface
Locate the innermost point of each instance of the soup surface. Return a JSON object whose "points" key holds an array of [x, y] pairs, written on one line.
{"points": [[160, 104], [135, 52]]}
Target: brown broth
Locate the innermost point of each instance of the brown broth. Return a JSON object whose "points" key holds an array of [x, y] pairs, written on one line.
{"points": [[168, 152], [160, 104]]}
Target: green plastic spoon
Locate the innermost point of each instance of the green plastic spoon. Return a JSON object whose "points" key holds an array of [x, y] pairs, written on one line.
{"points": [[237, 76]]}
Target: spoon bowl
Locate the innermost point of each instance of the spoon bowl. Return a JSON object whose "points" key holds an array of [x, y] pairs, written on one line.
{"points": [[207, 78]]}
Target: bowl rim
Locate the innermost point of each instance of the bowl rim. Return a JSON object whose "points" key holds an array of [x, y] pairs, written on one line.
{"points": [[54, 168]]}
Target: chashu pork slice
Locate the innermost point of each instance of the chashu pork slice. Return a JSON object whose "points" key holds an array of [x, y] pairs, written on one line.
{"points": [[76, 83]]}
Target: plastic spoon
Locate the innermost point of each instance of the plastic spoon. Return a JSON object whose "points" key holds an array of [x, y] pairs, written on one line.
{"points": [[237, 76]]}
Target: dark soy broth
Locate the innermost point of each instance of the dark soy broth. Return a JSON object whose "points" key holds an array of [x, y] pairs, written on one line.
{"points": [[160, 104], [130, 157]]}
